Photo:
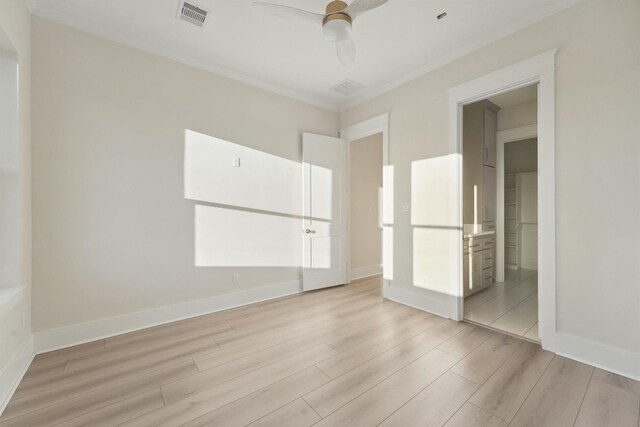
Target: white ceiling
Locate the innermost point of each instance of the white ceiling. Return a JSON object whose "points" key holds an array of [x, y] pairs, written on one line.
{"points": [[395, 43], [515, 97]]}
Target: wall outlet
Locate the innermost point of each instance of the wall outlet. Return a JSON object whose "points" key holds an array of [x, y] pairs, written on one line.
{"points": [[235, 278]]}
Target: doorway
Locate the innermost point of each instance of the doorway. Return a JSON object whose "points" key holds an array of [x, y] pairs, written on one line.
{"points": [[365, 191], [538, 71], [501, 295]]}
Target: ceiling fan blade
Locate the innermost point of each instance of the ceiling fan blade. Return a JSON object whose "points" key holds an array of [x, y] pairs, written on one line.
{"points": [[289, 12], [346, 51], [358, 7]]}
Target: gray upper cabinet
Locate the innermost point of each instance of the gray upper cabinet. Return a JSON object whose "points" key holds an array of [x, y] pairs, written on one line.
{"points": [[490, 122], [479, 129]]}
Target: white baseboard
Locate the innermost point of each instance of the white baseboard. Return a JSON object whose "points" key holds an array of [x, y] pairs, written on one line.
{"points": [[612, 359], [366, 271], [66, 336], [432, 302], [15, 370]]}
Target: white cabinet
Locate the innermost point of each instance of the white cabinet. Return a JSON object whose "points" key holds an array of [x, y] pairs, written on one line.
{"points": [[478, 264]]}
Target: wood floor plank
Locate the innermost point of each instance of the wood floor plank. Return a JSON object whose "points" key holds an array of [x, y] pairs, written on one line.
{"points": [[262, 402], [70, 352], [390, 364], [119, 412], [341, 390], [465, 342], [617, 380], [260, 343], [296, 414], [448, 329], [209, 400], [434, 405], [211, 377], [73, 408], [376, 404], [472, 416], [355, 356], [482, 362], [556, 398], [126, 367], [503, 393], [608, 405]]}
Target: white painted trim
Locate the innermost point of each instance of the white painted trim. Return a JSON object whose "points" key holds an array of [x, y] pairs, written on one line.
{"points": [[366, 271], [378, 124], [503, 137], [538, 69], [66, 336], [366, 95], [47, 11], [613, 359], [436, 303], [13, 373], [517, 134]]}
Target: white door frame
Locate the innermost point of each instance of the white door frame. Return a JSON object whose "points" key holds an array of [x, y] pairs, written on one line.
{"points": [[538, 69], [378, 124], [503, 137]]}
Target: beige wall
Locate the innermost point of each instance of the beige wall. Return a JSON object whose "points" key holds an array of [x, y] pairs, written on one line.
{"points": [[521, 156], [518, 115], [597, 150], [113, 233], [15, 325], [366, 179]]}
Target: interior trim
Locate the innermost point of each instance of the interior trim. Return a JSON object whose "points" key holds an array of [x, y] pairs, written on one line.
{"points": [[66, 336]]}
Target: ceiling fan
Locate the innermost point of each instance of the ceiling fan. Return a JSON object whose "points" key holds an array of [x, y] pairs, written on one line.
{"points": [[336, 21]]}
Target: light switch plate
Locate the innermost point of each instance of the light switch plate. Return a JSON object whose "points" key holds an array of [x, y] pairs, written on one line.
{"points": [[406, 206], [236, 162]]}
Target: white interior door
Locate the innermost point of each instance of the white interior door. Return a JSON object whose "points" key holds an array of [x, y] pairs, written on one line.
{"points": [[324, 208]]}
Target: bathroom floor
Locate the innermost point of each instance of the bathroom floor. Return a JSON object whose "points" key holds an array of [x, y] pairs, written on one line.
{"points": [[511, 306]]}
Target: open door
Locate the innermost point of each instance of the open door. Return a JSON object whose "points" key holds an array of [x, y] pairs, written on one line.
{"points": [[324, 208]]}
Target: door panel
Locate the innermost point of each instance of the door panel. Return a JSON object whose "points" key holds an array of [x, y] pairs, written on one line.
{"points": [[324, 205]]}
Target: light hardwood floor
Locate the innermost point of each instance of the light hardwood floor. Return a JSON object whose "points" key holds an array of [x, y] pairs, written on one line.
{"points": [[335, 357], [511, 306]]}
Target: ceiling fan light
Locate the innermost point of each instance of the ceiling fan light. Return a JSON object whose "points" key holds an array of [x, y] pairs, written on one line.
{"points": [[337, 30]]}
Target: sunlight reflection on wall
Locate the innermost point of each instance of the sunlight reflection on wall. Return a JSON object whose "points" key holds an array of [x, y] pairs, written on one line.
{"points": [[436, 223], [387, 221], [258, 217]]}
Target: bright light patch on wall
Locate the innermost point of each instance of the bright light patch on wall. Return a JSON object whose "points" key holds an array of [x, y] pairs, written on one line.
{"points": [[387, 220], [387, 194], [387, 253], [235, 238], [435, 192], [436, 220], [319, 205], [221, 172]]}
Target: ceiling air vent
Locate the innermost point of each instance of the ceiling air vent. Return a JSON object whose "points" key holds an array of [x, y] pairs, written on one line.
{"points": [[347, 87], [191, 13]]}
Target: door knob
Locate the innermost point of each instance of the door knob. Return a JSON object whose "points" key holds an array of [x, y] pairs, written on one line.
{"points": [[307, 231]]}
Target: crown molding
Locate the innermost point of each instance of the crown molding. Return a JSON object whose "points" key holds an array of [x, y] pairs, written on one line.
{"points": [[458, 53], [45, 11]]}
